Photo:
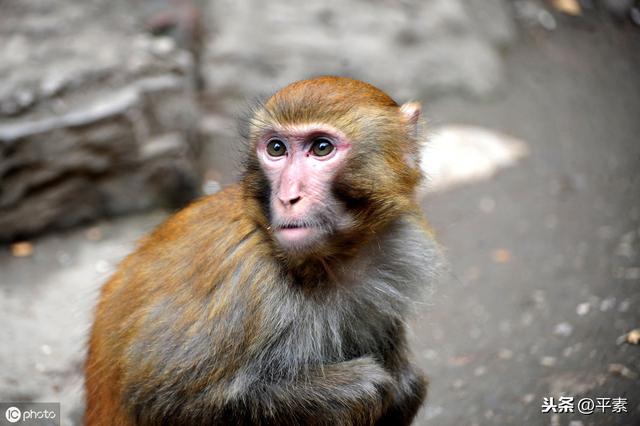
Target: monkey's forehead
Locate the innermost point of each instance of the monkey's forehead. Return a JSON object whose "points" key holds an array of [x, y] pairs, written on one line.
{"points": [[322, 111], [350, 124], [334, 90], [300, 129], [338, 103]]}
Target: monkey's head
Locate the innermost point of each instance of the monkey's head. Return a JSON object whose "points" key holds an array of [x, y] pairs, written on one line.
{"points": [[331, 159]]}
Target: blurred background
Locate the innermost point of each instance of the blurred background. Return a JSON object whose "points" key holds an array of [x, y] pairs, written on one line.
{"points": [[114, 114]]}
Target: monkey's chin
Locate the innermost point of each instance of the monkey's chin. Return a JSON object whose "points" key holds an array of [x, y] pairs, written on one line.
{"points": [[301, 239]]}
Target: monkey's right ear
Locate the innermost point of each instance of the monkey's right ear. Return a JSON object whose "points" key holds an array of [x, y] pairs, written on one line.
{"points": [[411, 113]]}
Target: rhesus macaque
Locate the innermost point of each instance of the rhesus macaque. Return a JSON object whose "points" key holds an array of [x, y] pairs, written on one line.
{"points": [[280, 300]]}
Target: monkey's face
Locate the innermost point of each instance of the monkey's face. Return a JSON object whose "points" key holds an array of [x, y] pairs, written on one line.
{"points": [[300, 163], [332, 160]]}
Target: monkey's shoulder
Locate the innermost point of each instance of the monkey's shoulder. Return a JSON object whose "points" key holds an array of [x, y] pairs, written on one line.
{"points": [[207, 226], [191, 253], [207, 215]]}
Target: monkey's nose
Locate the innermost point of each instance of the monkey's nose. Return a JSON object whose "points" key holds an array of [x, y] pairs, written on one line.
{"points": [[290, 191]]}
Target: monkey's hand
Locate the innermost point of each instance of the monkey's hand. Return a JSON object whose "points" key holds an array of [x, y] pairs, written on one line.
{"points": [[352, 392], [409, 391]]}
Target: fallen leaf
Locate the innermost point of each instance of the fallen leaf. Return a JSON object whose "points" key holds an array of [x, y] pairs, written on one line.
{"points": [[22, 249], [501, 256], [570, 7], [459, 361], [633, 336]]}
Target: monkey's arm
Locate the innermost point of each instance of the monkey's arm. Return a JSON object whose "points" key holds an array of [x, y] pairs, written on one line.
{"points": [[409, 384], [345, 393], [349, 393]]}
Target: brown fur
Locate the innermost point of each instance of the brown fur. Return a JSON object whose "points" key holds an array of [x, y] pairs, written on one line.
{"points": [[207, 322]]}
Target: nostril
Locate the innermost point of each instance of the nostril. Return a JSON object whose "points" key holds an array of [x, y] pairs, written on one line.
{"points": [[292, 201]]}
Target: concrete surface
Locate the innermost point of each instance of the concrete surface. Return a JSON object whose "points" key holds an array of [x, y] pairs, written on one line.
{"points": [[544, 256]]}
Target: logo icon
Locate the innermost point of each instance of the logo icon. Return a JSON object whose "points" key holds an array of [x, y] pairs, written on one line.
{"points": [[12, 414]]}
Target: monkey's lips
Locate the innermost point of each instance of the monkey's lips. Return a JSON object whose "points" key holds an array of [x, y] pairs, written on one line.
{"points": [[297, 235], [295, 232]]}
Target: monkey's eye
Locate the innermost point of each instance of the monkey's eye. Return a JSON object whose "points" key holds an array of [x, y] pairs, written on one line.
{"points": [[322, 147], [276, 148]]}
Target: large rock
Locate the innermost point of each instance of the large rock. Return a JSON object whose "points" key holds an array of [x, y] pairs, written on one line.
{"points": [[96, 117]]}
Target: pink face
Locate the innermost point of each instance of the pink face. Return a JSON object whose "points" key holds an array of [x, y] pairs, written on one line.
{"points": [[300, 163]]}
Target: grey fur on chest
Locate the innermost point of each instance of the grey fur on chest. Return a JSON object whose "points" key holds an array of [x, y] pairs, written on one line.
{"points": [[354, 316]]}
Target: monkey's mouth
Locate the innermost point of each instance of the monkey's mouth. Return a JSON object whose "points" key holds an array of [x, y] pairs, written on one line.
{"points": [[294, 226], [293, 229], [297, 234]]}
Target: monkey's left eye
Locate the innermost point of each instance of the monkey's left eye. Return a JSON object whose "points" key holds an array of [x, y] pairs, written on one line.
{"points": [[322, 147], [276, 148]]}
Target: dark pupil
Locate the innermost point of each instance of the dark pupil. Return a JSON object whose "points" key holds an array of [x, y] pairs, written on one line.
{"points": [[276, 148], [322, 147]]}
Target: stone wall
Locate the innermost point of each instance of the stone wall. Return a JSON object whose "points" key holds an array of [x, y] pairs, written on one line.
{"points": [[97, 116]]}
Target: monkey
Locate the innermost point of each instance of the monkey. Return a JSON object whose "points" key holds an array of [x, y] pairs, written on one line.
{"points": [[282, 299]]}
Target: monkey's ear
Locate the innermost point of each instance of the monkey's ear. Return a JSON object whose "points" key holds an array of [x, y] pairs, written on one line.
{"points": [[411, 113]]}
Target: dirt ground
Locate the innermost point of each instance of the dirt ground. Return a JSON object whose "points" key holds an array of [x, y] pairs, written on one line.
{"points": [[544, 257]]}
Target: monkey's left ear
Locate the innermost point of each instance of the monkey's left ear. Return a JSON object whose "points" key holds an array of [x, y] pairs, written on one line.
{"points": [[411, 113]]}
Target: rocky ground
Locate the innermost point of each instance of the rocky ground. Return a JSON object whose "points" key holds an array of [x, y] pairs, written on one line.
{"points": [[544, 254]]}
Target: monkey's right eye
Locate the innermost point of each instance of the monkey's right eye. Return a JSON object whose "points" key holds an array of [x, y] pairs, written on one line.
{"points": [[276, 148]]}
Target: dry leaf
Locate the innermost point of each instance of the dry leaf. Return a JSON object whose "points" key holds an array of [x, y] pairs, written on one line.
{"points": [[501, 256], [461, 360], [22, 249], [570, 7], [633, 336]]}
